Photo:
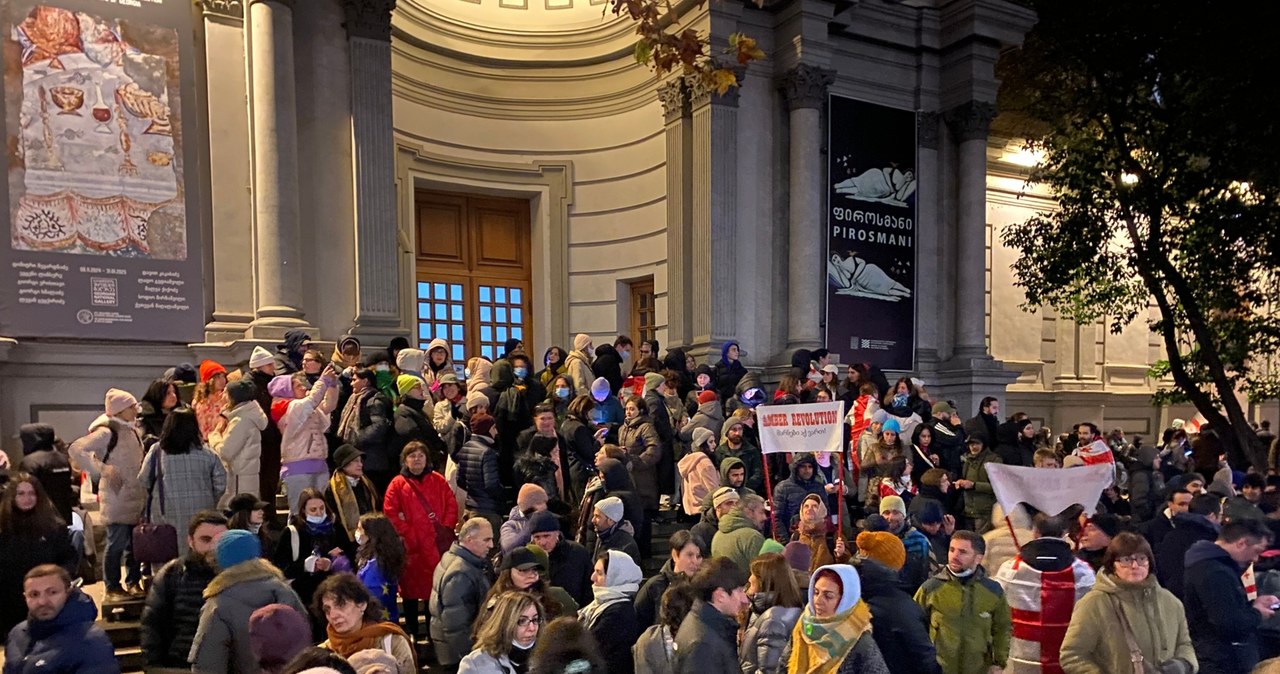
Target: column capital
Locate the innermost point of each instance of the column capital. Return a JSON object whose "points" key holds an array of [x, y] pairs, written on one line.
{"points": [[284, 3], [805, 86], [927, 131], [970, 121], [701, 92], [368, 18], [230, 9], [674, 97]]}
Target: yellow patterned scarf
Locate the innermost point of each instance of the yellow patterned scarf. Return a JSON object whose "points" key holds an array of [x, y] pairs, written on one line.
{"points": [[820, 645], [348, 515]]}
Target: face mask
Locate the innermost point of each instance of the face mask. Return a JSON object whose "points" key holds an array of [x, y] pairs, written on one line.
{"points": [[900, 400], [522, 372], [562, 393], [382, 367], [316, 519], [361, 538], [466, 373], [255, 528]]}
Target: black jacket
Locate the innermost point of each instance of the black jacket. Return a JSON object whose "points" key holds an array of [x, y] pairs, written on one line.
{"points": [[513, 412], [984, 426], [608, 364], [1013, 448], [948, 444], [725, 379], [707, 641], [372, 438], [649, 599], [706, 529], [478, 475], [53, 470], [534, 465], [618, 539], [1171, 555], [1156, 529], [897, 622], [293, 562], [571, 567], [580, 452], [20, 553], [616, 630], [172, 612], [409, 424], [1220, 618], [660, 417]]}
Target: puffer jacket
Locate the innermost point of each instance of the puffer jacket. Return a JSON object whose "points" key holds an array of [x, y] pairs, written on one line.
{"points": [[708, 416], [739, 539], [897, 623], [701, 479], [707, 641], [478, 475], [69, 643], [655, 651], [221, 644], [578, 366], [373, 437], [1095, 641], [768, 630], [172, 612], [790, 493], [645, 450], [457, 592], [305, 421], [52, 467], [410, 423], [121, 494], [648, 600], [239, 443], [968, 619]]}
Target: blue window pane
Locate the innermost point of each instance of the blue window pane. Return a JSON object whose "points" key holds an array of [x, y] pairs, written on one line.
{"points": [[484, 294], [424, 290], [517, 333], [486, 333], [502, 334], [455, 312], [458, 356], [515, 296], [437, 291], [486, 314], [424, 331], [500, 294], [487, 352], [457, 335], [500, 314], [424, 310], [441, 330], [442, 312], [517, 316], [455, 292]]}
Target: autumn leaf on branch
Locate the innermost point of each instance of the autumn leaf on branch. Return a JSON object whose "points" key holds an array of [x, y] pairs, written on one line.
{"points": [[687, 50]]}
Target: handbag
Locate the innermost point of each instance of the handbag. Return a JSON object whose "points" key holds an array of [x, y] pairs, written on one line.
{"points": [[1140, 664], [445, 537], [155, 543]]}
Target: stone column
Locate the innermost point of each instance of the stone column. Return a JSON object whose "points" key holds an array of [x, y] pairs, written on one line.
{"points": [[969, 123], [929, 225], [674, 97], [378, 289], [275, 168], [805, 89]]}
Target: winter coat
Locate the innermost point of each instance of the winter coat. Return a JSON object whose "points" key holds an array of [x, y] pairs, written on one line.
{"points": [[1043, 581], [172, 612], [608, 364], [1010, 445], [708, 416], [221, 643], [571, 567], [1157, 528], [458, 588], [190, 482], [478, 475], [409, 424], [705, 530], [480, 662], [615, 630], [948, 443], [239, 443], [707, 641], [1171, 555], [790, 493], [580, 452], [410, 504], [304, 424], [897, 623], [1095, 641], [578, 365], [751, 460], [968, 619], [727, 374], [373, 435], [617, 538], [660, 416], [768, 629], [1222, 622], [70, 643], [648, 600], [984, 426], [514, 411], [979, 499], [533, 466], [52, 469], [292, 561], [430, 375], [645, 450], [20, 553], [863, 658], [916, 569], [1146, 491], [655, 651], [739, 539], [701, 479], [121, 496]]}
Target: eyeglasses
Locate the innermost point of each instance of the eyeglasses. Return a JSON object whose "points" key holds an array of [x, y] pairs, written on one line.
{"points": [[1133, 560], [310, 360], [525, 622]]}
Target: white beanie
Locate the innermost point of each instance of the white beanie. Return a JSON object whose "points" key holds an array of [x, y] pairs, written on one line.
{"points": [[260, 357], [611, 507]]}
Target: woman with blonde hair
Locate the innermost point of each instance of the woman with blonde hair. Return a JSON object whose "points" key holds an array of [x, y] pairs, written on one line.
{"points": [[504, 642], [775, 607]]}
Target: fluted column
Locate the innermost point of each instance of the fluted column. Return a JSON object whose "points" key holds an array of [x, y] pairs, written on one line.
{"points": [[805, 89], [970, 123], [674, 97], [377, 274], [275, 168], [928, 238]]}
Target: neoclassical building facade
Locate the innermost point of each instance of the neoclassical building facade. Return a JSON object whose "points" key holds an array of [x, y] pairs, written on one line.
{"points": [[477, 170]]}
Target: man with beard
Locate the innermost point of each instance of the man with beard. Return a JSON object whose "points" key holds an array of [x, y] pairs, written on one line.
{"points": [[176, 597], [733, 444], [968, 617], [59, 634]]}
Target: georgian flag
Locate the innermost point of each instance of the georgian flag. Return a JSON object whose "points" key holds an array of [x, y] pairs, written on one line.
{"points": [[1095, 453]]}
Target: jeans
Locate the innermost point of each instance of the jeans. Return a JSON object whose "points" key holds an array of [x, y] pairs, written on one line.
{"points": [[120, 550], [295, 483]]}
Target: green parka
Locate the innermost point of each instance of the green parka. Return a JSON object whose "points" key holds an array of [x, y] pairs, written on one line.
{"points": [[969, 621], [979, 499]]}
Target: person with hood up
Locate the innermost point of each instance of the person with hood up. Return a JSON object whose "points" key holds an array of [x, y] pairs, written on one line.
{"points": [[815, 531], [740, 537], [238, 442], [702, 383], [50, 466], [612, 532], [578, 362], [966, 613], [718, 505], [1224, 623], [410, 361], [686, 558], [419, 503], [364, 422], [112, 452], [729, 371], [734, 444], [1201, 522], [59, 634], [553, 365], [1043, 584], [747, 394], [513, 414], [791, 492], [449, 416], [478, 372], [611, 615], [1128, 611], [897, 622], [707, 413], [160, 400], [948, 436], [609, 360], [246, 584], [288, 358], [303, 448], [608, 411], [412, 423], [833, 634], [698, 472], [438, 363], [1015, 443], [1146, 484], [210, 396]]}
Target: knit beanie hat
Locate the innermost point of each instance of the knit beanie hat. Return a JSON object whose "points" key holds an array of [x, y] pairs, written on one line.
{"points": [[209, 370], [892, 503], [118, 401], [1106, 523], [241, 391], [237, 546], [581, 342], [482, 424], [373, 661], [543, 521], [406, 383], [281, 386], [771, 545], [260, 357], [891, 424], [611, 507], [706, 397], [410, 360], [477, 399], [701, 436], [798, 556], [277, 633], [882, 547], [879, 416], [600, 389], [531, 496], [653, 380], [724, 494]]}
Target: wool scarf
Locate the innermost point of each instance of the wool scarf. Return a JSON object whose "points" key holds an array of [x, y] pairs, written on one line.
{"points": [[344, 496], [822, 644], [369, 636], [349, 425], [604, 598]]}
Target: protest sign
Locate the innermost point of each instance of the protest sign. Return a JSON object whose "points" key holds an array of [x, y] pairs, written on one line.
{"points": [[816, 427]]}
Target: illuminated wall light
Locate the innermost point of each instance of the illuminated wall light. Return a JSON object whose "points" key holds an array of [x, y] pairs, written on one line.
{"points": [[1129, 178]]}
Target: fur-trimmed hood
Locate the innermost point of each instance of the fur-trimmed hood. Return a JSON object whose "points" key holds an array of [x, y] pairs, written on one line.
{"points": [[252, 571]]}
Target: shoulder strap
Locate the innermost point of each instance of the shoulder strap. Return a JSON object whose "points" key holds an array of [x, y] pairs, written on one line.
{"points": [[293, 543], [157, 480], [1135, 652], [386, 645], [111, 444]]}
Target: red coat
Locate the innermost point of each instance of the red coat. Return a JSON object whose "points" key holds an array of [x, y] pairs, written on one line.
{"points": [[406, 505]]}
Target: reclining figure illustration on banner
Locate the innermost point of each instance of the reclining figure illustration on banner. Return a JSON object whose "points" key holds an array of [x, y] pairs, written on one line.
{"points": [[856, 277], [100, 166], [888, 185]]}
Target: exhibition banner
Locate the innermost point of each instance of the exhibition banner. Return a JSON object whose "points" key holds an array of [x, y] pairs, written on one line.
{"points": [[103, 199], [816, 427], [1049, 490], [871, 234]]}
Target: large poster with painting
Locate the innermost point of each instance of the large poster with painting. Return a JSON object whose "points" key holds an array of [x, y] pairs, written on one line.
{"points": [[871, 236], [104, 236]]}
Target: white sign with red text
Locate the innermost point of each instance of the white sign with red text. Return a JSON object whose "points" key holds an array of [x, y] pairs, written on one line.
{"points": [[816, 427]]}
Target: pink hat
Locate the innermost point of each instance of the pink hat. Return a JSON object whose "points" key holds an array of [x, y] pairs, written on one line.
{"points": [[119, 401]]}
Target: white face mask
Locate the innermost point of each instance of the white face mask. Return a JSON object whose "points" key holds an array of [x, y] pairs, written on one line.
{"points": [[382, 367], [316, 519], [255, 528], [361, 538]]}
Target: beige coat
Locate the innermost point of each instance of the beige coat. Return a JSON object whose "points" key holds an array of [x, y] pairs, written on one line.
{"points": [[1095, 641], [120, 493]]}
